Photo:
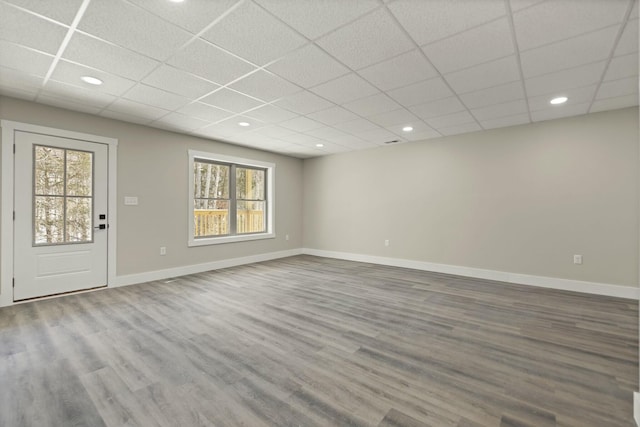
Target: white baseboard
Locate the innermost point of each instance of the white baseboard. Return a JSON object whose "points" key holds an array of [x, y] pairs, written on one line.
{"points": [[521, 279], [636, 408], [132, 279]]}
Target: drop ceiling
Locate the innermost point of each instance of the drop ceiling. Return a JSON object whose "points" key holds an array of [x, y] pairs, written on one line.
{"points": [[315, 77]]}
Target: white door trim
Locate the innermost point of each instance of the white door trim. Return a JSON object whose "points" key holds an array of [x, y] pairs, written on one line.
{"points": [[7, 199]]}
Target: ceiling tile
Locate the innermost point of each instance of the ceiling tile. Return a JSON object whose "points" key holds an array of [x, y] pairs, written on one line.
{"points": [[348, 139], [557, 112], [231, 100], [378, 136], [428, 21], [68, 72], [303, 102], [566, 79], [481, 44], [552, 21], [628, 42], [204, 112], [265, 86], [108, 57], [395, 117], [205, 60], [179, 82], [254, 35], [77, 94], [326, 133], [458, 129], [131, 27], [271, 114], [193, 16], [67, 104], [402, 70], [500, 110], [372, 105], [421, 136], [615, 88], [19, 81], [438, 108], [516, 119], [24, 59], [308, 66], [136, 109], [493, 95], [614, 103], [231, 126], [372, 38], [419, 127], [490, 74], [576, 96], [275, 131], [333, 115], [449, 120], [180, 122], [419, 93], [301, 124], [356, 126], [345, 89], [28, 30], [315, 18], [156, 97], [61, 11], [300, 138], [622, 66], [13, 92], [124, 117], [585, 49]]}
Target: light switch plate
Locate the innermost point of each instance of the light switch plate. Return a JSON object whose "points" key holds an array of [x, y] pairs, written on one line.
{"points": [[130, 201]]}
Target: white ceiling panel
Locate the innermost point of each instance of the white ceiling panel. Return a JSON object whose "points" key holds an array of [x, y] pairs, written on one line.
{"points": [[628, 42], [622, 66], [66, 103], [371, 105], [458, 129], [378, 136], [194, 18], [265, 86], [616, 88], [372, 38], [420, 93], [179, 82], [481, 44], [419, 127], [303, 139], [553, 112], [231, 100], [585, 49], [493, 95], [327, 133], [308, 66], [576, 96], [253, 34], [314, 18], [333, 115], [392, 118], [356, 126], [301, 124], [303, 102], [516, 119], [345, 89], [269, 113], [205, 60], [402, 70], [177, 121], [274, 131], [500, 110], [124, 117], [428, 21], [19, 81], [68, 72], [563, 80], [136, 109], [438, 108], [231, 126], [108, 57], [24, 59], [156, 97], [132, 27], [449, 120], [614, 103], [78, 94], [549, 21], [28, 30], [62, 11], [486, 75], [421, 136], [205, 112]]}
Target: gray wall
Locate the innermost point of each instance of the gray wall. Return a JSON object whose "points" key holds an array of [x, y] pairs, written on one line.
{"points": [[152, 164], [523, 199]]}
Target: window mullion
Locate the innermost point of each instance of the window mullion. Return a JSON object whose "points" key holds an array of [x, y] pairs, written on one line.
{"points": [[233, 204]]}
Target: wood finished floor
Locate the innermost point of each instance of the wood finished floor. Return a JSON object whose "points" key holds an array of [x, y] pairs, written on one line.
{"points": [[307, 341]]}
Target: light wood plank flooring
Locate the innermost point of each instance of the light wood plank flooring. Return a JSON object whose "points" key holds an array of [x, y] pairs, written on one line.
{"points": [[307, 341]]}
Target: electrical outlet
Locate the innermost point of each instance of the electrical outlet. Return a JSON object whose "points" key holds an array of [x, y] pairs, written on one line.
{"points": [[163, 250], [577, 259], [386, 242]]}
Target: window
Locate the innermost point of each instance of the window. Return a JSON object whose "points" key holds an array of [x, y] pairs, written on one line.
{"points": [[231, 199]]}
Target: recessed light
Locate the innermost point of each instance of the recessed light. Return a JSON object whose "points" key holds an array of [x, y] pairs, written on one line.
{"points": [[407, 129], [319, 145], [559, 100], [91, 80], [243, 124]]}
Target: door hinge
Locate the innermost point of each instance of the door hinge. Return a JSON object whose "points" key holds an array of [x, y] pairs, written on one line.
{"points": [[13, 282], [14, 148], [14, 215]]}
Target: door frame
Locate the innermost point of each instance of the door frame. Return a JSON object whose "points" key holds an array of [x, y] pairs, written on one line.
{"points": [[9, 128]]}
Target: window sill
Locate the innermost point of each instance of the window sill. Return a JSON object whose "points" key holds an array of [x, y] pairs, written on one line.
{"points": [[229, 239]]}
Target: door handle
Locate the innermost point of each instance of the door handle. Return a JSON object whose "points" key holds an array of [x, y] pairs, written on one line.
{"points": [[100, 227]]}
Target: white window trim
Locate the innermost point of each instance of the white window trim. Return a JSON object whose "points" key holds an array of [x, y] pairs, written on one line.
{"points": [[271, 174]]}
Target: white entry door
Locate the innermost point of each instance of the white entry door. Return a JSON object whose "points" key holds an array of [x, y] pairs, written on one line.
{"points": [[61, 224]]}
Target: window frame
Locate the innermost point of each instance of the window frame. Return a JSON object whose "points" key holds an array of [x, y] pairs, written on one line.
{"points": [[269, 169]]}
